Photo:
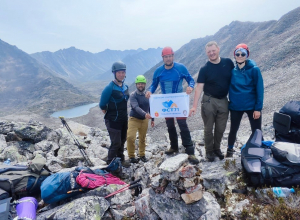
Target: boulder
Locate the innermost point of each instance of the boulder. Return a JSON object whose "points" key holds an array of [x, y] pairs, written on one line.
{"points": [[168, 208], [214, 177], [89, 207], [32, 133], [172, 164]]}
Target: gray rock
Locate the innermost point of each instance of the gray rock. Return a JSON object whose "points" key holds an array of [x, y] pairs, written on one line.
{"points": [[46, 146], [172, 192], [90, 207], [168, 208], [117, 214], [6, 127], [16, 154], [3, 144], [213, 208], [32, 133], [173, 163], [240, 206], [214, 177], [97, 151]]}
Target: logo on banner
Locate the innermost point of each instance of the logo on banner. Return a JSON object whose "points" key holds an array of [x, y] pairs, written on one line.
{"points": [[170, 106], [156, 114]]}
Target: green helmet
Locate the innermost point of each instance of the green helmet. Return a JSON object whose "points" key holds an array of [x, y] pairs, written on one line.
{"points": [[118, 66], [140, 79]]}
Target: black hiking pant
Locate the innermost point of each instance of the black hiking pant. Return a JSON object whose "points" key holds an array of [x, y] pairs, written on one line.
{"points": [[235, 119], [117, 133], [184, 133]]}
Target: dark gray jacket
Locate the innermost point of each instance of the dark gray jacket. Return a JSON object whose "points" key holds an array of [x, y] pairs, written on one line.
{"points": [[139, 105]]}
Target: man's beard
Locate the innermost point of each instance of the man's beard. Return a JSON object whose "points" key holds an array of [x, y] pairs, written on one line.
{"points": [[169, 64], [141, 90]]}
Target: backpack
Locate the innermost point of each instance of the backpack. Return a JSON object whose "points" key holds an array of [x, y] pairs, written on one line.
{"points": [[263, 167], [60, 186], [287, 123], [22, 180]]}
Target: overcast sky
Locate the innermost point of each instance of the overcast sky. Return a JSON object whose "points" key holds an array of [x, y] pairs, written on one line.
{"points": [[96, 25]]}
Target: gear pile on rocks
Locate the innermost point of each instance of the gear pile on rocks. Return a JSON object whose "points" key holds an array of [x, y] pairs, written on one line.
{"points": [[172, 188]]}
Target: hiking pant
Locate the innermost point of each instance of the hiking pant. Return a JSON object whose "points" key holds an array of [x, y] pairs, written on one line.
{"points": [[214, 113], [235, 118], [134, 125], [117, 132], [184, 133]]}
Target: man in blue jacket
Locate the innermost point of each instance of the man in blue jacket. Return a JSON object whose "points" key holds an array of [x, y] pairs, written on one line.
{"points": [[113, 104], [170, 77]]}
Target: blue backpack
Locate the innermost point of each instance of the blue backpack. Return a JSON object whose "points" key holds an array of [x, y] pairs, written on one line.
{"points": [[59, 186]]}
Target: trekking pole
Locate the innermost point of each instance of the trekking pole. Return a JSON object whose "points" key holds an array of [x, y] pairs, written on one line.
{"points": [[124, 188], [138, 185], [80, 147]]}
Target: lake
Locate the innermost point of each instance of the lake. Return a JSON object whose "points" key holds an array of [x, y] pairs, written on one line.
{"points": [[75, 112]]}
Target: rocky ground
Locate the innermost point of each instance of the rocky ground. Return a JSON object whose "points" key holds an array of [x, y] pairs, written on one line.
{"points": [[172, 188]]}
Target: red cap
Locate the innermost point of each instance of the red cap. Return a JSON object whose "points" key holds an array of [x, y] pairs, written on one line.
{"points": [[242, 46], [167, 51]]}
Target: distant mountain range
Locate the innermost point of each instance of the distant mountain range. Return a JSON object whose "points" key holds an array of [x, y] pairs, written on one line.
{"points": [[27, 85], [38, 82], [78, 66], [274, 46]]}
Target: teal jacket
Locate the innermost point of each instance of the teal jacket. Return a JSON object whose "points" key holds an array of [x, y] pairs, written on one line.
{"points": [[246, 91]]}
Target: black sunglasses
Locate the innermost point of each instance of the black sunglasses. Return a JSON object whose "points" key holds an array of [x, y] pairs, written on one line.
{"points": [[240, 54]]}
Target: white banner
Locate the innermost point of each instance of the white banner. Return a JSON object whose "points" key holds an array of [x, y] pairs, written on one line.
{"points": [[169, 105]]}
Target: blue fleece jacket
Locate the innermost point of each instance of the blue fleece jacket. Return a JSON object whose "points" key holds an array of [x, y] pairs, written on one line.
{"points": [[246, 91], [171, 80]]}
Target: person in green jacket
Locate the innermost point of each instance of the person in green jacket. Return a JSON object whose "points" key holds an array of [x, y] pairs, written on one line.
{"points": [[246, 94]]}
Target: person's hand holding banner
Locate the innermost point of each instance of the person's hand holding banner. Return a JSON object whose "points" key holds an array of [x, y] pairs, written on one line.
{"points": [[169, 105]]}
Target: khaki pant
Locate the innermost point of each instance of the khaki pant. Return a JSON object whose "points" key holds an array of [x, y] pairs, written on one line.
{"points": [[214, 113], [134, 125]]}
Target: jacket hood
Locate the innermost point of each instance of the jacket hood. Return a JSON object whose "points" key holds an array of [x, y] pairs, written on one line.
{"points": [[249, 64]]}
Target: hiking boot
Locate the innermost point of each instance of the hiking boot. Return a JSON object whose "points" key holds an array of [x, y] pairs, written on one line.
{"points": [[134, 160], [144, 159], [171, 151], [192, 159], [229, 152], [210, 156], [125, 163], [219, 154]]}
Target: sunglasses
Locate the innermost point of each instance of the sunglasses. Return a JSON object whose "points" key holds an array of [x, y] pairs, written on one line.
{"points": [[240, 54]]}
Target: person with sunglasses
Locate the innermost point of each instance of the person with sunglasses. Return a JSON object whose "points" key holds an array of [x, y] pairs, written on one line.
{"points": [[246, 94], [113, 103]]}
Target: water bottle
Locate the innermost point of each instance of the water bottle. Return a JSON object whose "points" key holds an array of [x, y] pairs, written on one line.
{"points": [[278, 191], [7, 161]]}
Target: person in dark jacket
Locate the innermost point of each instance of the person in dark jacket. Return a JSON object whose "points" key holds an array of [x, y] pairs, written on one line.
{"points": [[113, 103], [138, 120], [246, 94]]}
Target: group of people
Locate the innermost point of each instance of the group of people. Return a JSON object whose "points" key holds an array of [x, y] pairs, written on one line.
{"points": [[219, 80]]}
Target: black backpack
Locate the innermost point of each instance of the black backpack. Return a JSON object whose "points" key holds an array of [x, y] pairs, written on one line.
{"points": [[262, 167], [287, 123]]}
